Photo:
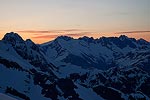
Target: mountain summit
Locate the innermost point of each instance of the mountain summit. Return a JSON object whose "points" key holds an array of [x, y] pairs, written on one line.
{"points": [[12, 37]]}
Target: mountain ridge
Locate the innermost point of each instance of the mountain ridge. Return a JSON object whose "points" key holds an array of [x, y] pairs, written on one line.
{"points": [[115, 68], [112, 48]]}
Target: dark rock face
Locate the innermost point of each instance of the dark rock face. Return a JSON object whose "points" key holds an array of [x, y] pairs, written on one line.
{"points": [[145, 87], [108, 93], [10, 64], [67, 86], [121, 42], [126, 80], [50, 91], [136, 96], [116, 82], [85, 61], [140, 59], [16, 93]]}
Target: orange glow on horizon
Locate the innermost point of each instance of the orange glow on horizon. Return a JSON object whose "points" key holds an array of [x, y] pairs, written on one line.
{"points": [[46, 37]]}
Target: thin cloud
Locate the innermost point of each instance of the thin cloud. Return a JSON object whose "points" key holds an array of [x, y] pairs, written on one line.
{"points": [[78, 34], [50, 31], [127, 32], [116, 13], [71, 35], [71, 30], [46, 36], [35, 31]]}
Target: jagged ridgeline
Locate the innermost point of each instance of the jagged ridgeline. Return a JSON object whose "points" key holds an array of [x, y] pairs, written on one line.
{"points": [[108, 68]]}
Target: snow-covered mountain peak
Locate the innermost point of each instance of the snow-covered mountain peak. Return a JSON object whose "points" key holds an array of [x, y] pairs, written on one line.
{"points": [[66, 38], [12, 37], [32, 45], [142, 41], [29, 41], [123, 37], [87, 39]]}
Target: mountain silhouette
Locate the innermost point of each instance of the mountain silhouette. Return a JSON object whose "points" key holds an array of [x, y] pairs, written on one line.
{"points": [[107, 68]]}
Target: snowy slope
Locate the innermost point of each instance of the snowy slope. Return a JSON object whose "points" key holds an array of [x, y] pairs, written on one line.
{"points": [[75, 69], [87, 94], [15, 68], [101, 53], [6, 97]]}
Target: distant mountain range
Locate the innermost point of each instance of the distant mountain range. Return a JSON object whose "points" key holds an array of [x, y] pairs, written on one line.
{"points": [[108, 68]]}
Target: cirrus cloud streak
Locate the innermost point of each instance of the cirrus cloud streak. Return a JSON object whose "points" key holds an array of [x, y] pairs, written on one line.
{"points": [[71, 35], [50, 31], [127, 32]]}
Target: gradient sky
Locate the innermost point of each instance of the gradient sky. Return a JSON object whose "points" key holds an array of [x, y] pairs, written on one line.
{"points": [[43, 20]]}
